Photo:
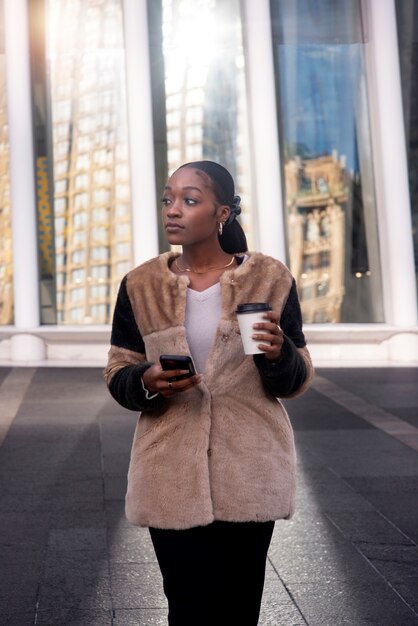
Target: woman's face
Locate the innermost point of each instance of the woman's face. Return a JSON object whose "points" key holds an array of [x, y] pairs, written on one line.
{"points": [[190, 212]]}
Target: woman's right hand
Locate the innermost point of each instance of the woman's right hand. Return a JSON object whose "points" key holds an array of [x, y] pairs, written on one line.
{"points": [[157, 380]]}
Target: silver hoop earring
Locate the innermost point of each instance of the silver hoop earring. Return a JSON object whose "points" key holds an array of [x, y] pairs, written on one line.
{"points": [[220, 228]]}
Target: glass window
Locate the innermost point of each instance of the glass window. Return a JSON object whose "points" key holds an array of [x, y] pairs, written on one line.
{"points": [[77, 295], [80, 219], [99, 312], [326, 150], [123, 267], [79, 238], [82, 79], [79, 257], [100, 253], [76, 316], [121, 210], [103, 177], [100, 272], [100, 215], [199, 89], [100, 234], [6, 254], [78, 276], [101, 196], [61, 167], [81, 181], [123, 250], [407, 20], [99, 292], [61, 186], [122, 231]]}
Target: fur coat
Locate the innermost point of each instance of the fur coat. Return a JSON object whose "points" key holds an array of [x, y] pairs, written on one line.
{"points": [[224, 449]]}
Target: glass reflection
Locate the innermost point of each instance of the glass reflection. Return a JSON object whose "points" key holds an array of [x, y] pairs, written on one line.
{"points": [[407, 23], [92, 219], [6, 255], [204, 88], [332, 229]]}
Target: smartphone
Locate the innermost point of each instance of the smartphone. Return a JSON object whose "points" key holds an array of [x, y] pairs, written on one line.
{"points": [[178, 362]]}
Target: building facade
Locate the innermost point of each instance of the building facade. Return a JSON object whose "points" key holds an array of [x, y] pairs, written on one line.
{"points": [[312, 106]]}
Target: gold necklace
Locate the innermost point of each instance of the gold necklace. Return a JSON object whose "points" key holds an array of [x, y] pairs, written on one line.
{"points": [[211, 269]]}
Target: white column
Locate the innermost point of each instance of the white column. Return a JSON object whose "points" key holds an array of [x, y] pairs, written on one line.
{"points": [[264, 129], [141, 143], [25, 346], [392, 190]]}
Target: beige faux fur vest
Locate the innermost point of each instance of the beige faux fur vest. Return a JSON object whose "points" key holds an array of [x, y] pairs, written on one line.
{"points": [[223, 450]]}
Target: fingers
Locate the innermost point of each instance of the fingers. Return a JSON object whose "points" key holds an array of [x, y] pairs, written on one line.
{"points": [[173, 387], [271, 336], [161, 381], [184, 384]]}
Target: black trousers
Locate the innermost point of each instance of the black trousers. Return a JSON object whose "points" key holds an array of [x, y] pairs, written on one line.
{"points": [[213, 575]]}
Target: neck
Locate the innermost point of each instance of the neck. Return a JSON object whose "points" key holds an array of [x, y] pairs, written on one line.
{"points": [[203, 256]]}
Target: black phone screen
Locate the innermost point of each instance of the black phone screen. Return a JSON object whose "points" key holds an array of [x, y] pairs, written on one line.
{"points": [[178, 362]]}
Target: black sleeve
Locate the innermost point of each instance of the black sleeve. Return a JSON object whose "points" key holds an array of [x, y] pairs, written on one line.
{"points": [[126, 388], [286, 375], [125, 385]]}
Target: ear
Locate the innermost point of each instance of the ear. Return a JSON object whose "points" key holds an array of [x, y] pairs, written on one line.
{"points": [[223, 212]]}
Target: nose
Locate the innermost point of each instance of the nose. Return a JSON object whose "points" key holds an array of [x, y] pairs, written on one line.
{"points": [[174, 208]]}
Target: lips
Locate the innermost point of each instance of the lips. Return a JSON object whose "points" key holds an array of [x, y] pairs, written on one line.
{"points": [[173, 226]]}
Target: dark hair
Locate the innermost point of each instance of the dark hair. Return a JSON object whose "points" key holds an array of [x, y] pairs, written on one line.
{"points": [[233, 239]]}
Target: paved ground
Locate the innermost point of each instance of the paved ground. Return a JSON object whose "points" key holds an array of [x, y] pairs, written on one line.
{"points": [[68, 557]]}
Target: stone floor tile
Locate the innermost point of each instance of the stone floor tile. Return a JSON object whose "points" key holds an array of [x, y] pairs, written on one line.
{"points": [[4, 372], [353, 378], [407, 413], [142, 617], [18, 597], [351, 604], [303, 561], [10, 617], [395, 563], [115, 487], [116, 464], [79, 582], [338, 497], [313, 411], [376, 453], [115, 514], [368, 527], [20, 555], [384, 484], [74, 617], [76, 540], [277, 606], [408, 591], [62, 519], [131, 545], [305, 527], [395, 504], [408, 525], [137, 586]]}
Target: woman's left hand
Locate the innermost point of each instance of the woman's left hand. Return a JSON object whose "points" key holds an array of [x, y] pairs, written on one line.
{"points": [[271, 333]]}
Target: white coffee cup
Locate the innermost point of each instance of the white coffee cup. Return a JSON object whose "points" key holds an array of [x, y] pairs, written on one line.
{"points": [[248, 314]]}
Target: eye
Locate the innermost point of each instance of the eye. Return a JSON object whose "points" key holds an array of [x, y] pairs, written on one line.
{"points": [[190, 201], [165, 201]]}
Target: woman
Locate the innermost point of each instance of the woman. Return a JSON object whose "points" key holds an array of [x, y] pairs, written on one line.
{"points": [[212, 463]]}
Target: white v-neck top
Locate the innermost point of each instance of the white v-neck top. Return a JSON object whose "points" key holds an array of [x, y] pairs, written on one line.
{"points": [[203, 312]]}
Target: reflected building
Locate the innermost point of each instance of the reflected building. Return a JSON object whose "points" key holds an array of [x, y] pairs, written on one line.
{"points": [[205, 89], [6, 254], [90, 164], [317, 194]]}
